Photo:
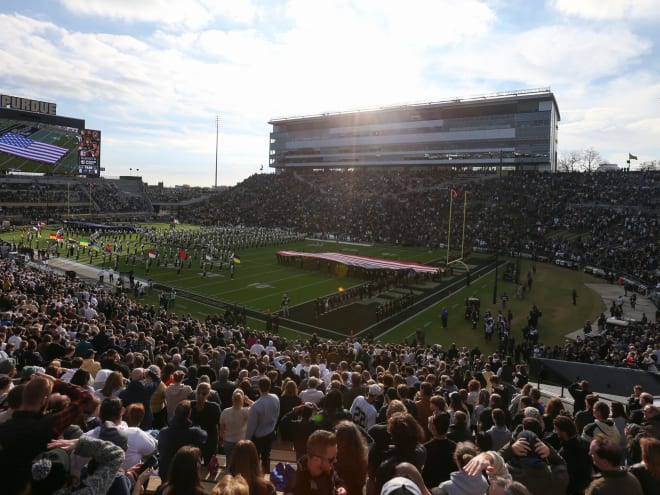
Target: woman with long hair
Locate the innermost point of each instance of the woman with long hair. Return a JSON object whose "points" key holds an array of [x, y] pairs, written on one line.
{"points": [[351, 462], [473, 388], [553, 408], [114, 384], [158, 402], [206, 415], [167, 374], [245, 461], [406, 436], [648, 471], [231, 485], [233, 422], [82, 378], [482, 403], [289, 398], [461, 483], [183, 477], [456, 404]]}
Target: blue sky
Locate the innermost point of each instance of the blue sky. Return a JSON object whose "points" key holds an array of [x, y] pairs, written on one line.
{"points": [[153, 74]]}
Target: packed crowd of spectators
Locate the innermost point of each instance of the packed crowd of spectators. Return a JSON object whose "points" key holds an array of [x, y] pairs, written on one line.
{"points": [[604, 219], [96, 388], [160, 194], [42, 198]]}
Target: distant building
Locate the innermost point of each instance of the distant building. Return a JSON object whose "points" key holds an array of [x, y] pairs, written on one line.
{"points": [[607, 167], [514, 130]]}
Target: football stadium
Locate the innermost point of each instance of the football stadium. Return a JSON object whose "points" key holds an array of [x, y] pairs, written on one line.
{"points": [[420, 272]]}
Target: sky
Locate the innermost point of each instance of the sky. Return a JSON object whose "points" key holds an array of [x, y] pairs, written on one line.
{"points": [[153, 75]]}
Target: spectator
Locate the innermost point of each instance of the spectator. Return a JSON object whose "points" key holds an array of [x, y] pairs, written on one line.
{"points": [[29, 431], [158, 402], [245, 462], [13, 401], [460, 430], [299, 423], [583, 418], [311, 393], [315, 472], [499, 434], [648, 471], [575, 451], [535, 464], [114, 384], [231, 485], [289, 399], [206, 415], [607, 457], [50, 473], [602, 424], [650, 428], [180, 432], [351, 465], [637, 415], [440, 450], [406, 446], [262, 420], [224, 387], [620, 420], [363, 410], [233, 422], [183, 477], [461, 483], [176, 392], [139, 443], [138, 390], [579, 391]]}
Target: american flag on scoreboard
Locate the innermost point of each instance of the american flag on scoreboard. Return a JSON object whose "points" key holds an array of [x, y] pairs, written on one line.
{"points": [[18, 145]]}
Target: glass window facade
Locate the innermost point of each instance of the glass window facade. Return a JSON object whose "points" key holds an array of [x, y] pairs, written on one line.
{"points": [[515, 130]]}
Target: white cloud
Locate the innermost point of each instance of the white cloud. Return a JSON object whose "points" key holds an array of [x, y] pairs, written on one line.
{"points": [[548, 55], [608, 9], [155, 89], [174, 14]]}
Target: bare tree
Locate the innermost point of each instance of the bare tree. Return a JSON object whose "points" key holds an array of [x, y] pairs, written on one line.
{"points": [[569, 162], [590, 159]]}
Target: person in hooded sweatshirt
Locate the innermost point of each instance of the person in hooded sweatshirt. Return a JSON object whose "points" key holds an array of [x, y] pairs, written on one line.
{"points": [[602, 424], [460, 482]]}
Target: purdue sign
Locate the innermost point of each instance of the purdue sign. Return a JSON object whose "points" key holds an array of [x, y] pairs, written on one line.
{"points": [[25, 104]]}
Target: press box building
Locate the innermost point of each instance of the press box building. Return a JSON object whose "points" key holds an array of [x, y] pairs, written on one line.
{"points": [[514, 130]]}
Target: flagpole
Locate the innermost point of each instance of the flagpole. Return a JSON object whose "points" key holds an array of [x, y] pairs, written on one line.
{"points": [[217, 131], [464, 216], [451, 203]]}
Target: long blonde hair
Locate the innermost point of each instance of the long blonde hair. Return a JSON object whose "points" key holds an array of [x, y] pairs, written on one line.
{"points": [[231, 485], [202, 394], [238, 396]]}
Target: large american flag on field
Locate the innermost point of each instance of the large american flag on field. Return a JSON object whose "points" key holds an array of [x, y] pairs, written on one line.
{"points": [[18, 145], [364, 261]]}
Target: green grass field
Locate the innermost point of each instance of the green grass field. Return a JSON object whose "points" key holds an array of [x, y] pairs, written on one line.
{"points": [[260, 282]]}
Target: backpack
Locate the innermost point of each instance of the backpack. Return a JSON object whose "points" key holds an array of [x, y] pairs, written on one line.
{"points": [[281, 475]]}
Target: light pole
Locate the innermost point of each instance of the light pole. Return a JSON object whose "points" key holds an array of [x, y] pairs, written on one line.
{"points": [[130, 171], [217, 132], [90, 199]]}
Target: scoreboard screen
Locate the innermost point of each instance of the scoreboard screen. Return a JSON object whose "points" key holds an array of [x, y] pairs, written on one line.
{"points": [[89, 153]]}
